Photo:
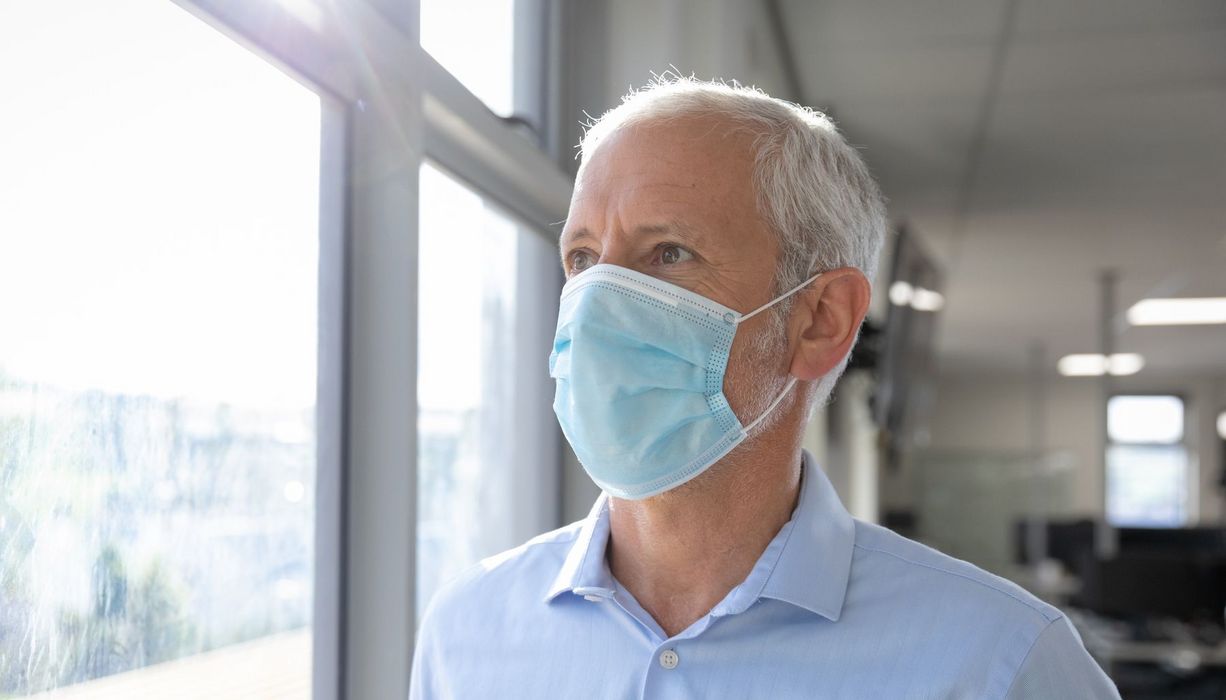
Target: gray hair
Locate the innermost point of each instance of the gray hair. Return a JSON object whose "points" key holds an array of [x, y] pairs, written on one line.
{"points": [[812, 187]]}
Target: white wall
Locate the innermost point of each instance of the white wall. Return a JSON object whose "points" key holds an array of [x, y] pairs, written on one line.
{"points": [[614, 45], [843, 439], [728, 39]]}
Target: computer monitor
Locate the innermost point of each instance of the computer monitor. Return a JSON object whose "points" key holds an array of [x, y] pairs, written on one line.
{"points": [[1155, 584], [1167, 539], [1069, 541]]}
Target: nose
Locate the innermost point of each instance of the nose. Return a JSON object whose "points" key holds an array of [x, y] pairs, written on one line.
{"points": [[617, 251]]}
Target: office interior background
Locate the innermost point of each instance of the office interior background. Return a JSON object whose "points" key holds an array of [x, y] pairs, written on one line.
{"points": [[278, 281]]}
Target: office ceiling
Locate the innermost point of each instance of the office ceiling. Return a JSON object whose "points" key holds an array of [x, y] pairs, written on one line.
{"points": [[1033, 143]]}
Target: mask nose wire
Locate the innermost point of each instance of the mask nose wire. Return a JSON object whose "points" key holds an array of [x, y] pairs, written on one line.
{"points": [[778, 299]]}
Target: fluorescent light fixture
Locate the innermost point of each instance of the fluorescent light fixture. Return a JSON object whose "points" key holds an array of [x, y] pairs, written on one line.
{"points": [[927, 300], [918, 298], [1123, 364], [1221, 425], [901, 293], [1085, 365], [1178, 312], [1095, 365]]}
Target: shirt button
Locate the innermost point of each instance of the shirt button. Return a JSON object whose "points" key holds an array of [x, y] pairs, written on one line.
{"points": [[669, 659]]}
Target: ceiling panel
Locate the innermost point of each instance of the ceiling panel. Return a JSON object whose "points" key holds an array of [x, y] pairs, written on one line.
{"points": [[915, 146], [1106, 147], [834, 73], [1083, 66], [1159, 149], [875, 22], [1087, 17]]}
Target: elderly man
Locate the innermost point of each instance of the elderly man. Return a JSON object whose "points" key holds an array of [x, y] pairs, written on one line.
{"points": [[718, 255]]}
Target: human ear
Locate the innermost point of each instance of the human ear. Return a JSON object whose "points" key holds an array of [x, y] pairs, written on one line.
{"points": [[825, 321]]}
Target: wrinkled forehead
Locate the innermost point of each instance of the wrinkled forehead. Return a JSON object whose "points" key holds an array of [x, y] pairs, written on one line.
{"points": [[680, 163]]}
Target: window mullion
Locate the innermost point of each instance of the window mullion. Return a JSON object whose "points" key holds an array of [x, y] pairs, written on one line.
{"points": [[463, 135], [385, 153]]}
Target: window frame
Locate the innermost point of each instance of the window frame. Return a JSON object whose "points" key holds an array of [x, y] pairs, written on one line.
{"points": [[387, 106], [534, 456]]}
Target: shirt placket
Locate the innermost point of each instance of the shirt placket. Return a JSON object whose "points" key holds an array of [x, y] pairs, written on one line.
{"points": [[665, 670]]}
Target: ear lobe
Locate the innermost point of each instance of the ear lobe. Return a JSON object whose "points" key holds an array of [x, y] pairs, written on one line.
{"points": [[828, 318]]}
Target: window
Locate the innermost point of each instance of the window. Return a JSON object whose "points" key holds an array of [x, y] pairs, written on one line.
{"points": [[209, 333], [159, 252], [1147, 464], [482, 460], [474, 41]]}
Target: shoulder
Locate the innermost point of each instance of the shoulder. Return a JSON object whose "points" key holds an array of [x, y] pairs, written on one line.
{"points": [[984, 626], [472, 615], [990, 632], [910, 572], [518, 575]]}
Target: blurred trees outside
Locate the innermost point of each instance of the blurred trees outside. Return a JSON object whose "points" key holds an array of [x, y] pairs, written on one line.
{"points": [[135, 530]]}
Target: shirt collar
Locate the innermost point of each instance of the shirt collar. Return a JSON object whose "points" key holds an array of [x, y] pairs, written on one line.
{"points": [[585, 566], [807, 564]]}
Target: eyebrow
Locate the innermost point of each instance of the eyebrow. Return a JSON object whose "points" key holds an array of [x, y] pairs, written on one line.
{"points": [[674, 227]]}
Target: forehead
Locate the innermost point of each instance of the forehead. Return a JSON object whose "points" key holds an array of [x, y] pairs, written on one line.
{"points": [[690, 169]]}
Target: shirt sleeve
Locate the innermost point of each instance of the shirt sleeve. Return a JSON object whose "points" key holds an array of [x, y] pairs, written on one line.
{"points": [[1058, 666]]}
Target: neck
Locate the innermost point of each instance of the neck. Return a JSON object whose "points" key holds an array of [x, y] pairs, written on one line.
{"points": [[681, 552]]}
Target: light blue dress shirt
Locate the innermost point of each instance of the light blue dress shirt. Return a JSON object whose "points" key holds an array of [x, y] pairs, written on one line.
{"points": [[834, 608]]}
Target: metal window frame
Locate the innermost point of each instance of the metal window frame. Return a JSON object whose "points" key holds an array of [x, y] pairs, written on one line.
{"points": [[330, 428], [387, 105]]}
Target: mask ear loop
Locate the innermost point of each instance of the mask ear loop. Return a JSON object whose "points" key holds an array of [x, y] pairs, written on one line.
{"points": [[774, 404], [791, 380], [779, 298]]}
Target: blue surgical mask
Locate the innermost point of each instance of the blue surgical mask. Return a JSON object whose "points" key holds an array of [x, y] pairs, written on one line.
{"points": [[639, 365]]}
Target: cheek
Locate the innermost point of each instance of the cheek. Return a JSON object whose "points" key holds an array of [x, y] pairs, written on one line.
{"points": [[739, 379], [756, 367]]}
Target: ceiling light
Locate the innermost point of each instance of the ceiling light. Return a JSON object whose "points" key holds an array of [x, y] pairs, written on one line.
{"points": [[1095, 365], [1086, 365], [1178, 312], [918, 298], [1221, 425], [1123, 364], [901, 293], [927, 300]]}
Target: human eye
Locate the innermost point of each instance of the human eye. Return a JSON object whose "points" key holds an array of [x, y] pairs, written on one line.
{"points": [[671, 254], [579, 260]]}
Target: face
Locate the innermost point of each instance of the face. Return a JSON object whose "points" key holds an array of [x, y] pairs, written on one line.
{"points": [[676, 201]]}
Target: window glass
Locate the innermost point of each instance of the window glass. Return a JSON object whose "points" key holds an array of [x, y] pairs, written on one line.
{"points": [[1145, 419], [474, 41], [158, 271], [1147, 465], [1147, 485], [472, 401]]}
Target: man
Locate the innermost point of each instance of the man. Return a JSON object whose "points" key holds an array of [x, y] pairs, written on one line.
{"points": [[718, 252]]}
